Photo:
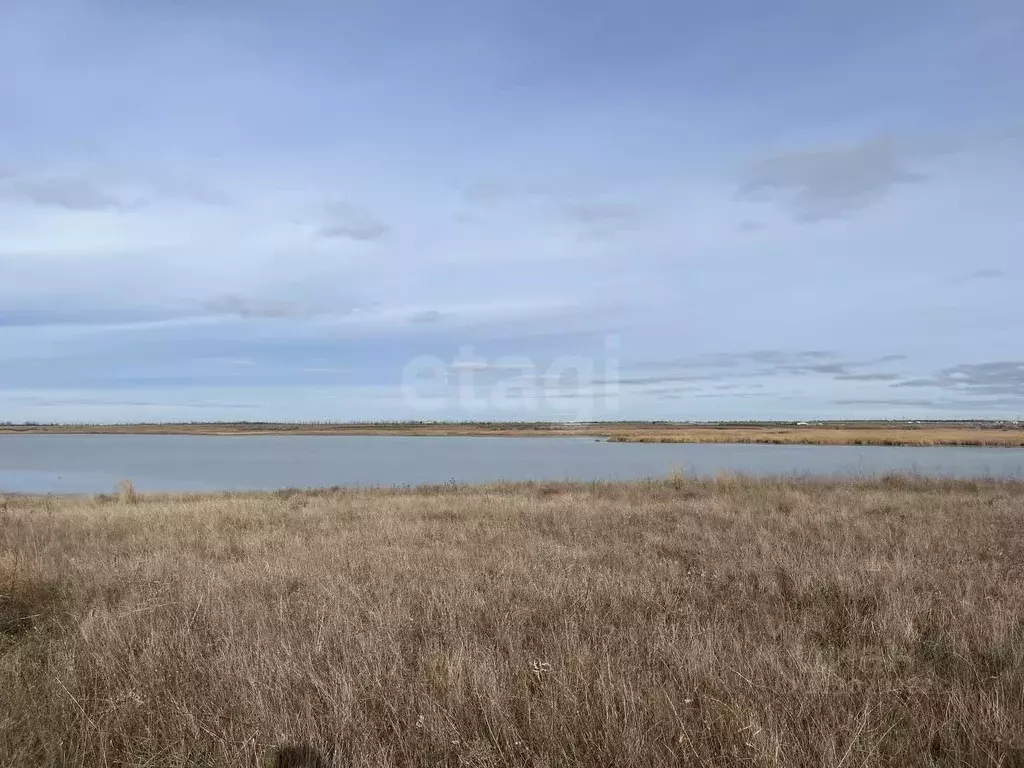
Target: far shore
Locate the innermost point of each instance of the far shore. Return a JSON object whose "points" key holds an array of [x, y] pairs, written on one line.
{"points": [[930, 433]]}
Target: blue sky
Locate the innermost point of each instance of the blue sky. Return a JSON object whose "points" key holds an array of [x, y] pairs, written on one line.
{"points": [[511, 209]]}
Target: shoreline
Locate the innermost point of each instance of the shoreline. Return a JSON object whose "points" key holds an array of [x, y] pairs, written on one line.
{"points": [[962, 434]]}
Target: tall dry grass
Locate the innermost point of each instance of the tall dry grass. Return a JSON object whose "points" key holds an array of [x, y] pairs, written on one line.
{"points": [[706, 623], [927, 436]]}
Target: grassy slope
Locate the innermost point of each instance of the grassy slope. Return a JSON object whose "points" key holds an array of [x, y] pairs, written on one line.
{"points": [[727, 622], [840, 433]]}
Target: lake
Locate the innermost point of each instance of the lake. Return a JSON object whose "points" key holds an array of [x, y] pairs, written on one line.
{"points": [[95, 463]]}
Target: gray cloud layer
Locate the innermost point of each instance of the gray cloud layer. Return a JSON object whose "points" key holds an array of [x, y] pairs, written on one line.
{"points": [[761, 364], [603, 219], [832, 183], [426, 316], [70, 193], [249, 307], [344, 221], [1003, 377]]}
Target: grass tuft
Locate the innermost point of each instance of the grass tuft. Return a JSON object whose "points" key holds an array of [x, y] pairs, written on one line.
{"points": [[126, 492], [297, 756], [25, 600]]}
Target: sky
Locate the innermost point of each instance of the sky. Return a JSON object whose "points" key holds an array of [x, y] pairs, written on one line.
{"points": [[341, 210]]}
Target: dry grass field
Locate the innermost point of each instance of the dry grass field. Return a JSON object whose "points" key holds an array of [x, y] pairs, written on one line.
{"points": [[929, 435], [991, 434], [726, 622]]}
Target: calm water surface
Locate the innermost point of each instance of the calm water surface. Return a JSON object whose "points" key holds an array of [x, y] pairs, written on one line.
{"points": [[93, 463]]}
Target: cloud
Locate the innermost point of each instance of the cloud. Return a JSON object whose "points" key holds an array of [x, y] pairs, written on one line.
{"points": [[1002, 377], [57, 402], [71, 193], [770, 361], [344, 221], [491, 190], [481, 366], [73, 312], [786, 358], [497, 189], [832, 183], [326, 369], [989, 273], [899, 402], [235, 362], [955, 405], [730, 395], [839, 369], [427, 316], [118, 187], [594, 213], [249, 307], [758, 364], [750, 226], [868, 377], [68, 315], [642, 381], [603, 219]]}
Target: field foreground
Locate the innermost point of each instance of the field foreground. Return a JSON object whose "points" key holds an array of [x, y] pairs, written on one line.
{"points": [[676, 622]]}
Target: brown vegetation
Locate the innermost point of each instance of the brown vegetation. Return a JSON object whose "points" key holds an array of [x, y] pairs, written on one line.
{"points": [[931, 435], [993, 434], [679, 622]]}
